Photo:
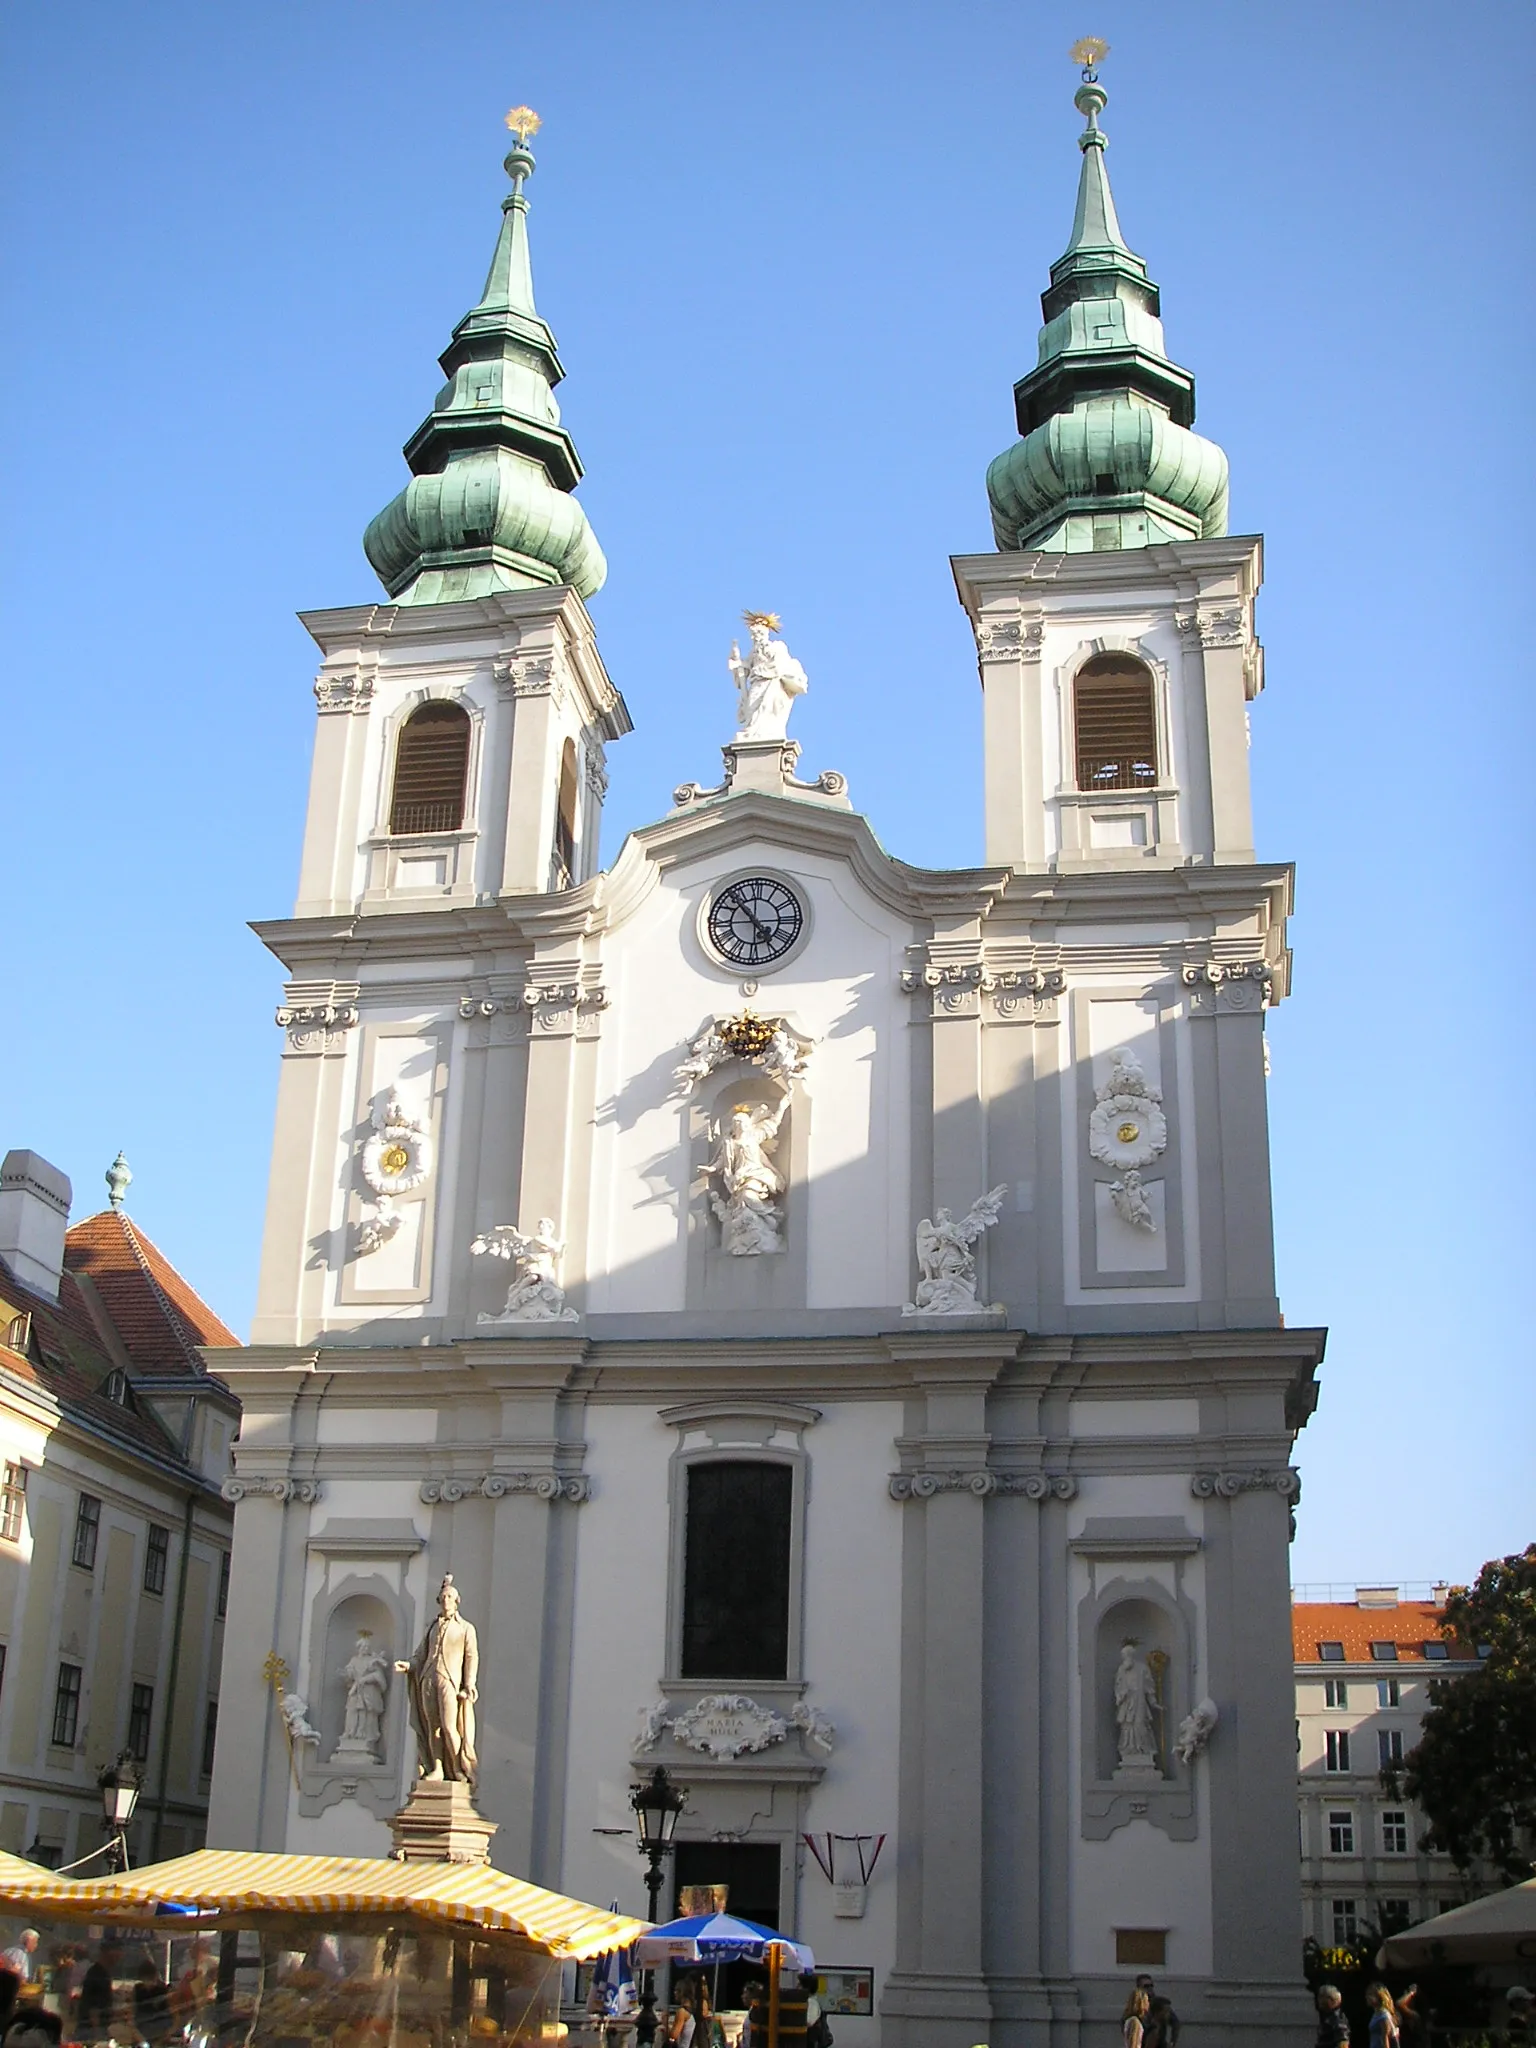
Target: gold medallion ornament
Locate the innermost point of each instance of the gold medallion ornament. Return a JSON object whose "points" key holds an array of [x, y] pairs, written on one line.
{"points": [[1128, 1133], [524, 123], [394, 1160]]}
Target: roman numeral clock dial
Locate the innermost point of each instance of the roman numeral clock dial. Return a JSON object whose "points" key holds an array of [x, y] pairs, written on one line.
{"points": [[755, 921]]}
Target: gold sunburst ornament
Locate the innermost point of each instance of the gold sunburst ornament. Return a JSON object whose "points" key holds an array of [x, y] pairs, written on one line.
{"points": [[769, 619], [1089, 51], [524, 123]]}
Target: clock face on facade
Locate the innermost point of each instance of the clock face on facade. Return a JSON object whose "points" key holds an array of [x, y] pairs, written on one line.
{"points": [[754, 921]]}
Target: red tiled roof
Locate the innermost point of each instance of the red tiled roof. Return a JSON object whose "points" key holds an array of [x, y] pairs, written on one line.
{"points": [[1410, 1625], [154, 1314]]}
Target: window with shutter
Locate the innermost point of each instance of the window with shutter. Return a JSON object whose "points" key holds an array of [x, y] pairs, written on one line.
{"points": [[1116, 724], [431, 767]]}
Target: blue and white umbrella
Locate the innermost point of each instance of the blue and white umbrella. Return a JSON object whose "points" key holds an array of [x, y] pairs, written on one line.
{"points": [[614, 1971], [717, 1938]]}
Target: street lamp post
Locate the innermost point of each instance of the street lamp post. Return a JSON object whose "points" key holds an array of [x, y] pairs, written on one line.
{"points": [[657, 1804], [119, 1787]]}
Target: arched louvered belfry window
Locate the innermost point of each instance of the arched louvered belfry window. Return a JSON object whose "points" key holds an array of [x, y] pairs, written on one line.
{"points": [[1116, 723], [431, 768], [565, 814]]}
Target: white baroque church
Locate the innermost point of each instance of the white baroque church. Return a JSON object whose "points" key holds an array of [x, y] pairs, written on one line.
{"points": [[821, 1311]]}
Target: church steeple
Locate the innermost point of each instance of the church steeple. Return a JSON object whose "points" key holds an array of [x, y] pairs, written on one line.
{"points": [[489, 507], [1107, 459]]}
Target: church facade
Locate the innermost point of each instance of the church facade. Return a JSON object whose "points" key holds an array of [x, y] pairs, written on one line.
{"points": [[820, 1311]]}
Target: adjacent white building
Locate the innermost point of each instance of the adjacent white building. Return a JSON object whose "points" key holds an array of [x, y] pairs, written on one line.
{"points": [[880, 1411], [1363, 1671]]}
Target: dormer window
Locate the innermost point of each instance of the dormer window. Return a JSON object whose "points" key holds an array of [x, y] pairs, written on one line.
{"points": [[431, 769], [1116, 724]]}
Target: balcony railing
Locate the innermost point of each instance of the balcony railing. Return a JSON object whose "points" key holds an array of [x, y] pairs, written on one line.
{"points": [[405, 820], [1115, 771]]}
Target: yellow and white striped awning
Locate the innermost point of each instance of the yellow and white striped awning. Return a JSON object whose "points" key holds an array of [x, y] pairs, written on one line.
{"points": [[323, 1888]]}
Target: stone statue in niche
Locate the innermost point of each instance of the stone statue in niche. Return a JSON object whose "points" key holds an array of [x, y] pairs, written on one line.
{"points": [[947, 1261], [1138, 1709], [749, 1184], [768, 679], [367, 1675], [442, 1680], [535, 1295]]}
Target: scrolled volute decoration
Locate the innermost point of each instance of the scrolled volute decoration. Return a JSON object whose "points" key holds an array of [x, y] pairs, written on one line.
{"points": [[1284, 1480], [545, 1486], [925, 1485], [236, 1489]]}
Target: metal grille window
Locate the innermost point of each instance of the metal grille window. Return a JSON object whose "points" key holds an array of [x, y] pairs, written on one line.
{"points": [[1335, 1692], [736, 1570], [13, 1503], [1389, 1742], [87, 1530], [141, 1712], [223, 1583], [210, 1736], [1116, 724], [156, 1555], [1394, 1832], [1389, 1692], [66, 1706], [1346, 1921], [431, 767], [1341, 1833], [1336, 1749]]}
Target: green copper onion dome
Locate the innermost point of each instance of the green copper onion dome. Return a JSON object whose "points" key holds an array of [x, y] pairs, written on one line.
{"points": [[1107, 459], [489, 506]]}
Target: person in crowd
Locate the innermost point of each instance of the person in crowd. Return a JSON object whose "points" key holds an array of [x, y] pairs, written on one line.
{"points": [[20, 1957], [1520, 2025], [151, 2002], [10, 1990], [1332, 2024], [1133, 2025], [1162, 2028], [93, 2014], [1412, 2024], [1384, 2030], [818, 2034], [684, 2024], [34, 2027]]}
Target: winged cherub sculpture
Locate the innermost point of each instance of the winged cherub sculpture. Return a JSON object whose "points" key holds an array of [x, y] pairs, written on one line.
{"points": [[947, 1260]]}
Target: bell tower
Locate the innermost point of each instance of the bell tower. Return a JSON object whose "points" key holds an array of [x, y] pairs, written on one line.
{"points": [[1114, 627], [462, 725]]}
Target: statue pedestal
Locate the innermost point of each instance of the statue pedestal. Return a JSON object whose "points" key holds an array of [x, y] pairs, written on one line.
{"points": [[1139, 1774], [440, 1823], [360, 1755]]}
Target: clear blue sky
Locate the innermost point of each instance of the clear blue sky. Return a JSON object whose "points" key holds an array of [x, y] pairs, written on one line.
{"points": [[792, 254]]}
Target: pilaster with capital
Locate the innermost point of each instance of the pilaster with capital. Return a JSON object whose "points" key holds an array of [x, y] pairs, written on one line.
{"points": [[1216, 630]]}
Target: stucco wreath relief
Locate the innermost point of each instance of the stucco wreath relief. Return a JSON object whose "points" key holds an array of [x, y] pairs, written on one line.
{"points": [[1128, 1130], [397, 1156]]}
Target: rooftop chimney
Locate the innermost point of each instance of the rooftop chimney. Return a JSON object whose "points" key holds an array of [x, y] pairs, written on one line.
{"points": [[34, 1215]]}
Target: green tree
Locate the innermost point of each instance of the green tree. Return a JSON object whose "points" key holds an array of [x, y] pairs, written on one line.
{"points": [[1473, 1773]]}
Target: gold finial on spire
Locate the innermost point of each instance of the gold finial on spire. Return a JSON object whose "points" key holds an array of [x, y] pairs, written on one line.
{"points": [[769, 619], [1089, 51], [524, 122]]}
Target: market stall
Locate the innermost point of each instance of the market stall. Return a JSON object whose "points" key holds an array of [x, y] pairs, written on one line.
{"points": [[287, 1951]]}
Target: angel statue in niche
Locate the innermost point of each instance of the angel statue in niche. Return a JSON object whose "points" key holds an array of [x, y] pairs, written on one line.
{"points": [[768, 679], [947, 1261], [535, 1295], [749, 1183]]}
